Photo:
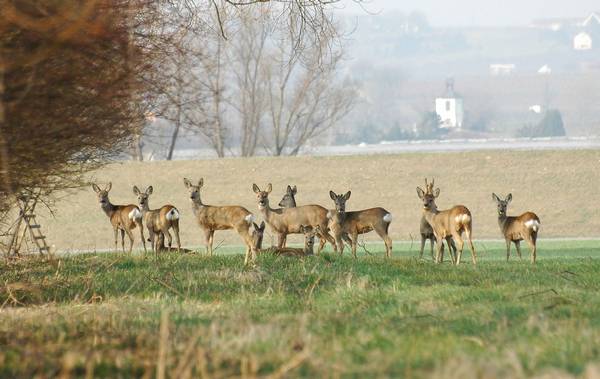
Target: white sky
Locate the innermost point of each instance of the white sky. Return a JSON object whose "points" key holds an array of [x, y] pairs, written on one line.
{"points": [[480, 12]]}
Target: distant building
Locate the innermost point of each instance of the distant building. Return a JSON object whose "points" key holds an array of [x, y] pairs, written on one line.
{"points": [[536, 108], [498, 69], [545, 70], [449, 107], [582, 41]]}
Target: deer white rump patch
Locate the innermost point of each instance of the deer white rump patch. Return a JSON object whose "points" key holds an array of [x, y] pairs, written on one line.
{"points": [[329, 215], [135, 214], [249, 219], [387, 217], [462, 219], [533, 225], [173, 214]]}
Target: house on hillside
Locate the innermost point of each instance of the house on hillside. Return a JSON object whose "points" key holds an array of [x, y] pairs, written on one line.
{"points": [[497, 69], [582, 41], [449, 107]]}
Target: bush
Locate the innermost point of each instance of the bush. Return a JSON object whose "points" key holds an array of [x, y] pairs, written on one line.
{"points": [[551, 125]]}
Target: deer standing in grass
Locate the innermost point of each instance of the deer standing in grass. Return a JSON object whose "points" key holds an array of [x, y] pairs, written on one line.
{"points": [[286, 221], [426, 230], [123, 218], [309, 242], [211, 218], [358, 222], [452, 223], [158, 220], [517, 228]]}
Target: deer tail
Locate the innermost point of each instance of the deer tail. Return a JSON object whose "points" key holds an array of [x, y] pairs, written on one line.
{"points": [[173, 214], [387, 218], [533, 224], [135, 214]]}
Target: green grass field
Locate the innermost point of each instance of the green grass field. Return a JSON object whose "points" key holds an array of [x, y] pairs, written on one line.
{"points": [[113, 315]]}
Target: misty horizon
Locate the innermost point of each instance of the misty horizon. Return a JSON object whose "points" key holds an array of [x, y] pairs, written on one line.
{"points": [[471, 12]]}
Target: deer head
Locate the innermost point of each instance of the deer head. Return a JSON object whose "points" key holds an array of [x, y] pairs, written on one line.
{"points": [[340, 201], [142, 197], [429, 195], [102, 193], [289, 199], [194, 190], [309, 238], [257, 234], [262, 196], [502, 204]]}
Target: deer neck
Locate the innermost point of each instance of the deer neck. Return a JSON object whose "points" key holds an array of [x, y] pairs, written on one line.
{"points": [[502, 218], [145, 208], [197, 206], [429, 214], [109, 208]]}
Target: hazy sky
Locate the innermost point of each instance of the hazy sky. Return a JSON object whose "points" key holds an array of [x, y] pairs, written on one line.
{"points": [[482, 12]]}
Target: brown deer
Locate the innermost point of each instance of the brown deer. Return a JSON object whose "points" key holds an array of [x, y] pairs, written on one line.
{"points": [[452, 223], [211, 218], [123, 218], [358, 222], [309, 242], [158, 220], [519, 228], [286, 221], [289, 199], [426, 230]]}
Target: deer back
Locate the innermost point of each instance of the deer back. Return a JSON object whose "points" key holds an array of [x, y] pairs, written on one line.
{"points": [[363, 221], [223, 217], [290, 220]]}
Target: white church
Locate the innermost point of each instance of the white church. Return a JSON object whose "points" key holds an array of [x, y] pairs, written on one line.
{"points": [[449, 107]]}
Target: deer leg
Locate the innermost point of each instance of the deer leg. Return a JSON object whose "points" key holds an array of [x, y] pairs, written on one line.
{"points": [[339, 241], [508, 242], [531, 241], [250, 250], [431, 245], [176, 232], [452, 252], [388, 242], [473, 253], [123, 240], [329, 239], [518, 246], [459, 245], [139, 225], [152, 239], [165, 231], [423, 239], [354, 243], [281, 238], [208, 240], [438, 253], [116, 230], [130, 235]]}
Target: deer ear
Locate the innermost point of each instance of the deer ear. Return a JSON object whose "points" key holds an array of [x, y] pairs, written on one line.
{"points": [[420, 193], [347, 195], [200, 182], [269, 188], [95, 188], [294, 190], [262, 225], [149, 190], [509, 198], [187, 183], [436, 193], [332, 195], [255, 188], [109, 187], [495, 197], [136, 191], [255, 226]]}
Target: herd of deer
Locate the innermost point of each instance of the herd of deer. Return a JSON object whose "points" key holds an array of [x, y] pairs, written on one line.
{"points": [[334, 226]]}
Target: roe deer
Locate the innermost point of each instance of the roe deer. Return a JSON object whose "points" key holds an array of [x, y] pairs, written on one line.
{"points": [[358, 222], [211, 218], [517, 228], [158, 220], [309, 242], [286, 221], [289, 199], [448, 223], [123, 218], [426, 230]]}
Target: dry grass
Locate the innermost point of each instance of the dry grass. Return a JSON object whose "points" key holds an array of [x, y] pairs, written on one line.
{"points": [[560, 186]]}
